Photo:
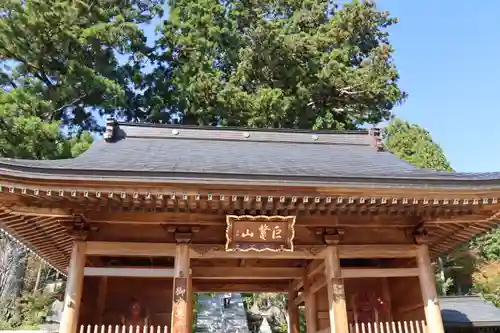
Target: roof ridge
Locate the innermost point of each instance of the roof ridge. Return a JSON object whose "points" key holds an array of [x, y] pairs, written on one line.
{"points": [[249, 129], [116, 131]]}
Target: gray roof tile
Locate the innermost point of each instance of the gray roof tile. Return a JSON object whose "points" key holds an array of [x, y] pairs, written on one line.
{"points": [[166, 151], [468, 310]]}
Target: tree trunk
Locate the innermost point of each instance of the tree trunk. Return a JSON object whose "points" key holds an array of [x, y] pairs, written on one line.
{"points": [[14, 259]]}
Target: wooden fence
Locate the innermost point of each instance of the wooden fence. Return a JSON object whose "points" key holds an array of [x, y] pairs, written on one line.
{"points": [[122, 329], [413, 326]]}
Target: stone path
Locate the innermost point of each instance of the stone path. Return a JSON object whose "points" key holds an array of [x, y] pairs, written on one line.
{"points": [[213, 318]]}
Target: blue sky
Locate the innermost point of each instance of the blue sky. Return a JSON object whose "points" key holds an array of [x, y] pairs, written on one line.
{"points": [[448, 55]]}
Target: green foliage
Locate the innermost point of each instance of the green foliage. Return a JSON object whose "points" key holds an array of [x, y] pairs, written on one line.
{"points": [[25, 135], [414, 144], [294, 64], [488, 245], [443, 286], [59, 58], [196, 309], [487, 281], [26, 312]]}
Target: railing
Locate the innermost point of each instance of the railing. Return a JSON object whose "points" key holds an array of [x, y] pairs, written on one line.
{"points": [[412, 326], [122, 329]]}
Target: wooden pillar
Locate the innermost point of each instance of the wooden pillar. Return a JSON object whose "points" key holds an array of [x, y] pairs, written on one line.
{"points": [[181, 290], [190, 314], [293, 312], [101, 298], [74, 286], [310, 307], [336, 294], [429, 295]]}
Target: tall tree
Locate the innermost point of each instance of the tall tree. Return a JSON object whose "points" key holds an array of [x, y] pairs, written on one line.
{"points": [[414, 144], [488, 245], [59, 59], [24, 135], [60, 68], [293, 63]]}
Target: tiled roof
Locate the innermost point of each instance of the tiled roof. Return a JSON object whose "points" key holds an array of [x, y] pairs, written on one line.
{"points": [[467, 311], [149, 152]]}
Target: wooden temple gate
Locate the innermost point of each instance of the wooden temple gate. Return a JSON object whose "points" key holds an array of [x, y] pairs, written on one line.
{"points": [[353, 248], [323, 286]]}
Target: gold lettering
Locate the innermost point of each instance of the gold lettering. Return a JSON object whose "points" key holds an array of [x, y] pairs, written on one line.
{"points": [[263, 229], [247, 233], [179, 291], [276, 232]]}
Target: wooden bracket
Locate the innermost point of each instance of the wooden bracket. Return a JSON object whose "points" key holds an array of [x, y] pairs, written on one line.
{"points": [[80, 229], [331, 236], [182, 235], [419, 234]]}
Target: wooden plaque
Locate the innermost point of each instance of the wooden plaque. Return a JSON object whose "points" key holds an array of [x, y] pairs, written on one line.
{"points": [[260, 233]]}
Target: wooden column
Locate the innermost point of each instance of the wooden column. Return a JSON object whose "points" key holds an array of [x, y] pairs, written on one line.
{"points": [[181, 290], [74, 286], [293, 312], [101, 298], [190, 314], [429, 295], [310, 307], [336, 293]]}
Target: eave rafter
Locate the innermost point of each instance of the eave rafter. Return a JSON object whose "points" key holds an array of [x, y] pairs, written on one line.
{"points": [[40, 217], [77, 201], [42, 235]]}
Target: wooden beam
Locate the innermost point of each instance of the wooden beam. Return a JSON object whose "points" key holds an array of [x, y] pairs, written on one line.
{"points": [[318, 285], [299, 299], [39, 211], [297, 284], [352, 273], [377, 251], [131, 249], [253, 273], [197, 251], [206, 286], [173, 218], [130, 272], [214, 251]]}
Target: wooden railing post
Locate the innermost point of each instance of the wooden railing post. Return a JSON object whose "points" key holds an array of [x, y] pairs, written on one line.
{"points": [[181, 290], [74, 286], [336, 293], [429, 295]]}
